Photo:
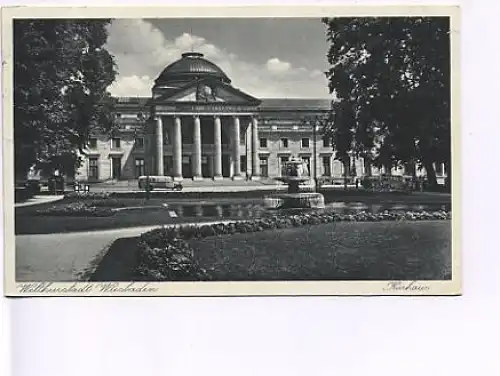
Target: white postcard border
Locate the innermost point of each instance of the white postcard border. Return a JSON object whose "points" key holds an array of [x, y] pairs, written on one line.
{"points": [[298, 288]]}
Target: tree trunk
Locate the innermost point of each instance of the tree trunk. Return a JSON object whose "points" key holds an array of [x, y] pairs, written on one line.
{"points": [[410, 169], [368, 166], [447, 167], [346, 171], [431, 174], [388, 169]]}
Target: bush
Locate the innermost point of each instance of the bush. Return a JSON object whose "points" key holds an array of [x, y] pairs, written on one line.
{"points": [[366, 183], [22, 194], [34, 186], [172, 261], [206, 231], [160, 236]]}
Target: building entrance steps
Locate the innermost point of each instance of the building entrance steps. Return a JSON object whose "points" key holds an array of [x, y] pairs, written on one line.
{"points": [[198, 182]]}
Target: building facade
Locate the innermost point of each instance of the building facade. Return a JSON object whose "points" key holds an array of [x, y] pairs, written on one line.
{"points": [[197, 126]]}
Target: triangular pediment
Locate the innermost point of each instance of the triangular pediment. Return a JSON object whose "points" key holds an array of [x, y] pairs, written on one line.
{"points": [[209, 91]]}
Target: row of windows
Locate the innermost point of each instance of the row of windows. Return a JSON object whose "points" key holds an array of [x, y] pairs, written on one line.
{"points": [[116, 167], [139, 116], [326, 164], [139, 142], [304, 142], [116, 143]]}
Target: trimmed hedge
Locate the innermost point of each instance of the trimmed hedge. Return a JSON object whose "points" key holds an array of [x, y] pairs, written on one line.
{"points": [[161, 236], [164, 253]]}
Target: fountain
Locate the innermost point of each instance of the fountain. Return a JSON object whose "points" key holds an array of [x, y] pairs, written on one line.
{"points": [[294, 173]]}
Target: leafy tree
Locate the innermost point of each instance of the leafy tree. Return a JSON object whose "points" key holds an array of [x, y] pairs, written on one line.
{"points": [[61, 73], [392, 78]]}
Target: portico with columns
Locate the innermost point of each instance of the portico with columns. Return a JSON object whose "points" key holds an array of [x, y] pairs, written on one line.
{"points": [[203, 145], [204, 128]]}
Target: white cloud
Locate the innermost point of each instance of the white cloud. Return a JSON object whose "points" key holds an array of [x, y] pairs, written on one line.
{"points": [[316, 73], [186, 41], [132, 86], [142, 52], [278, 66]]}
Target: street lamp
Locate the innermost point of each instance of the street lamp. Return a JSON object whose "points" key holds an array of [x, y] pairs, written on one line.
{"points": [[251, 150], [142, 119], [315, 158]]}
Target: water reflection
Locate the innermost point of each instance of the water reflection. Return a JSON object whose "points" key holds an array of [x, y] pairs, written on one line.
{"points": [[252, 210]]}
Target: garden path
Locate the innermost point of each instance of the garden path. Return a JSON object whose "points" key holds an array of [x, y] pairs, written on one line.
{"points": [[62, 257], [37, 200]]}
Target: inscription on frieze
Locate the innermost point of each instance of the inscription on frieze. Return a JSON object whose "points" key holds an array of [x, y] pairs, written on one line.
{"points": [[222, 108]]}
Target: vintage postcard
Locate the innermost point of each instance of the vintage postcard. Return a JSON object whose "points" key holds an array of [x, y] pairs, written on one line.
{"points": [[228, 151]]}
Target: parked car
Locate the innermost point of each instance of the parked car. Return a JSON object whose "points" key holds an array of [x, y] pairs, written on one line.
{"points": [[159, 182]]}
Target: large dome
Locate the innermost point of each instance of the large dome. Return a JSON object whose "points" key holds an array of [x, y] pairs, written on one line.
{"points": [[192, 66]]}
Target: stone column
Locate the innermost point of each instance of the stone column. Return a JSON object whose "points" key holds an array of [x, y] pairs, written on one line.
{"points": [[159, 146], [177, 157], [197, 149], [255, 150], [236, 149], [217, 148], [248, 149]]}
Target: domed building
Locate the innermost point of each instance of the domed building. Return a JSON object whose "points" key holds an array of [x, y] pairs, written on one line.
{"points": [[197, 125]]}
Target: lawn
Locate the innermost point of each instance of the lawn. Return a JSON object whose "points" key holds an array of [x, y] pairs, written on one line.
{"points": [[399, 250], [334, 251]]}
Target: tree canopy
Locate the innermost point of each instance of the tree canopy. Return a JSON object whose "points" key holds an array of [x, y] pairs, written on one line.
{"points": [[61, 76], [391, 76]]}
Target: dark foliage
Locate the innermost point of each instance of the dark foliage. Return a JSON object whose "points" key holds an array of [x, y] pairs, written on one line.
{"points": [[391, 78], [61, 73]]}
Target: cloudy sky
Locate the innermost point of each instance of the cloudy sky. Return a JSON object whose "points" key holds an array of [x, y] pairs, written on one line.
{"points": [[267, 58]]}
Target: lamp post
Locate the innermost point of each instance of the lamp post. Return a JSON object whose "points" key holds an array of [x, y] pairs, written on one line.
{"points": [[315, 158], [141, 119], [148, 187], [251, 149]]}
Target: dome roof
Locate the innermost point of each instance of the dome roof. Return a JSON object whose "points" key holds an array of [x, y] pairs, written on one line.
{"points": [[191, 66]]}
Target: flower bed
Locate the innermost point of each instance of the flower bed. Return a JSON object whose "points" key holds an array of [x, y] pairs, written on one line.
{"points": [[165, 254], [95, 199], [87, 196], [77, 209]]}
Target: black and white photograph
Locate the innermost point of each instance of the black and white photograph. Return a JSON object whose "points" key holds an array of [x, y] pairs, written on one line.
{"points": [[232, 154]]}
